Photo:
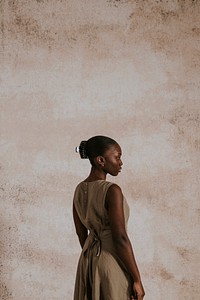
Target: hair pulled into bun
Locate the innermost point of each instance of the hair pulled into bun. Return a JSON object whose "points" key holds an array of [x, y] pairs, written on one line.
{"points": [[96, 145], [81, 149]]}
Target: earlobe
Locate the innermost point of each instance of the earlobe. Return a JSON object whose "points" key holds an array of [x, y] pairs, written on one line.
{"points": [[101, 160]]}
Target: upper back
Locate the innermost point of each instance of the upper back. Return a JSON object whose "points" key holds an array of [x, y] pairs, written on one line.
{"points": [[89, 201]]}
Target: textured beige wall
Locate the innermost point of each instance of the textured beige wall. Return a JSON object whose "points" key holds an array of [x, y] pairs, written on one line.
{"points": [[73, 69]]}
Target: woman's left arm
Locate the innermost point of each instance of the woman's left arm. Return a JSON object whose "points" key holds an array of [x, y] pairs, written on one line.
{"points": [[81, 230]]}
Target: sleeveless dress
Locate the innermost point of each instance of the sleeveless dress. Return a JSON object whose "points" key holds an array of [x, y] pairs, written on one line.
{"points": [[100, 275]]}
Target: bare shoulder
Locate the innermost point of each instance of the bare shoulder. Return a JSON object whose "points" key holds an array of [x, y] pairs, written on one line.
{"points": [[114, 189], [113, 195]]}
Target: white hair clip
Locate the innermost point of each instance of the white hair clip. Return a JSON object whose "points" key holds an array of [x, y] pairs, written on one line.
{"points": [[77, 149]]}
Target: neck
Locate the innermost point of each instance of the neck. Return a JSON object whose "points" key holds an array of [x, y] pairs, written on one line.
{"points": [[96, 174]]}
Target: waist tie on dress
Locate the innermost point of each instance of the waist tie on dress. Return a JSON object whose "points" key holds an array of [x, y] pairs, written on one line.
{"points": [[91, 249], [93, 242]]}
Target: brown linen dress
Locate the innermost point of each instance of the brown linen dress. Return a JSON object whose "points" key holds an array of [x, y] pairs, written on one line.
{"points": [[100, 275]]}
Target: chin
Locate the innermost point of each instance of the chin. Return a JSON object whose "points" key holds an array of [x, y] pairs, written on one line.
{"points": [[115, 174]]}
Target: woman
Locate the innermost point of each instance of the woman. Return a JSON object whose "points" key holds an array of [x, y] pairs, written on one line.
{"points": [[107, 269]]}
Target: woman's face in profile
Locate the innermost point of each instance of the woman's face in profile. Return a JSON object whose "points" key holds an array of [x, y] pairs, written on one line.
{"points": [[113, 162]]}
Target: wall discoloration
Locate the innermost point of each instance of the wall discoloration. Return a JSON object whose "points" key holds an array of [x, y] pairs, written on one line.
{"points": [[166, 275], [69, 70], [5, 293]]}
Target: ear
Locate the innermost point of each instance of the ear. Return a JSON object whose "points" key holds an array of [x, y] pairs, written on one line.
{"points": [[100, 160]]}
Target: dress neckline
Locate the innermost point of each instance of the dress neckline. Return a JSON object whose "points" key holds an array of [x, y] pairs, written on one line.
{"points": [[94, 180]]}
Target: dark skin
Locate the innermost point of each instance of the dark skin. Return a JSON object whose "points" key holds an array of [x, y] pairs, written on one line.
{"points": [[111, 163]]}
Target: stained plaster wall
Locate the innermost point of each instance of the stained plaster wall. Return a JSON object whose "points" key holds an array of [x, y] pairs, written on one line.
{"points": [[73, 69]]}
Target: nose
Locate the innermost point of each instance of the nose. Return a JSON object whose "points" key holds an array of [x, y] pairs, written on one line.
{"points": [[121, 163]]}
